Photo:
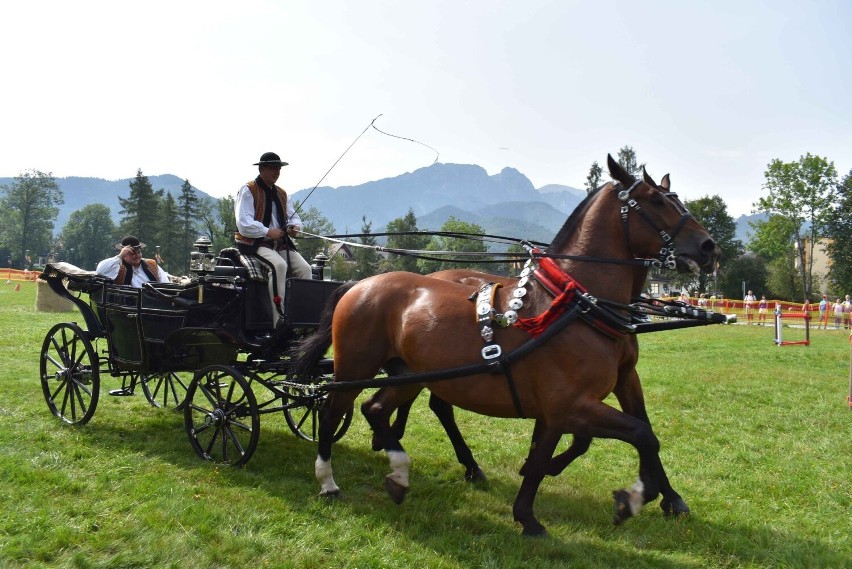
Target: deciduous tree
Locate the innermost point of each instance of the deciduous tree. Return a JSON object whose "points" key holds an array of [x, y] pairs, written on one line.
{"points": [[444, 243], [400, 237], [712, 213], [838, 230], [27, 214], [88, 237], [804, 192]]}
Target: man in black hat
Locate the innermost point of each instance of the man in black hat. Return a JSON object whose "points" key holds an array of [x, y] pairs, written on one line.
{"points": [[129, 268], [266, 220]]}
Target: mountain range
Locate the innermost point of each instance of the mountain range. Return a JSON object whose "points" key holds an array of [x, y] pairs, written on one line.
{"points": [[505, 203]]}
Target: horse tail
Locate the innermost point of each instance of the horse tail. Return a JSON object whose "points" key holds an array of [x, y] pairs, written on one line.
{"points": [[311, 349]]}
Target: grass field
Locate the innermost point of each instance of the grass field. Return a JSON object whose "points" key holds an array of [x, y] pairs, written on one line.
{"points": [[756, 438]]}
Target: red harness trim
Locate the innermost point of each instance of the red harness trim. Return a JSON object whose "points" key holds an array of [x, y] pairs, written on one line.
{"points": [[561, 285]]}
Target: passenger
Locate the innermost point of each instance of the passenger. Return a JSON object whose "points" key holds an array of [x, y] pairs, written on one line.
{"points": [[129, 268], [266, 220]]}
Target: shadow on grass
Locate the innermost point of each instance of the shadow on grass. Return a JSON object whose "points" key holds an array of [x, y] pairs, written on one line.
{"points": [[463, 522]]}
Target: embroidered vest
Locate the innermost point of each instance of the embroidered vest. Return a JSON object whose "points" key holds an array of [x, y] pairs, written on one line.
{"points": [[260, 209], [148, 266]]}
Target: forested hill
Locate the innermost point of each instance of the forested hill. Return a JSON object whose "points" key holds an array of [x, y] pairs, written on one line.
{"points": [[506, 203], [80, 192]]}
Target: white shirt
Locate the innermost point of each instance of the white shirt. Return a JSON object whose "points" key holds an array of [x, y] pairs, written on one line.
{"points": [[250, 227], [109, 269]]}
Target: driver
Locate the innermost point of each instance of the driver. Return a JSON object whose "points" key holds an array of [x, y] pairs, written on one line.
{"points": [[266, 220], [129, 268]]}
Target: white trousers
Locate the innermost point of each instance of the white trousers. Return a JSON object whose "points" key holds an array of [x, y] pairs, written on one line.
{"points": [[299, 267]]}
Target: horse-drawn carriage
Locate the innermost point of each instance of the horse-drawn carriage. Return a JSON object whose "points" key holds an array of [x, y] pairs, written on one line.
{"points": [[558, 341], [206, 346]]}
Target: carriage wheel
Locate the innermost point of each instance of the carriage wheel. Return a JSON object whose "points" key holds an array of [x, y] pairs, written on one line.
{"points": [[70, 377], [221, 416], [304, 420], [166, 389]]}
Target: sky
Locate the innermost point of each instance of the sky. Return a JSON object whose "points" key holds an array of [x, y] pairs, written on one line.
{"points": [[710, 92]]}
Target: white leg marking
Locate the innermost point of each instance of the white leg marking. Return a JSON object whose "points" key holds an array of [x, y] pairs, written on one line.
{"points": [[400, 464], [637, 500], [322, 469]]}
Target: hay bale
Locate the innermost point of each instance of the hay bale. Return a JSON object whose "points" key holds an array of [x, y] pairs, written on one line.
{"points": [[49, 301]]}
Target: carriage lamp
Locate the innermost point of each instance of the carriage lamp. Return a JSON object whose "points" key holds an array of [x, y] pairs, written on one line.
{"points": [[320, 268], [201, 260]]}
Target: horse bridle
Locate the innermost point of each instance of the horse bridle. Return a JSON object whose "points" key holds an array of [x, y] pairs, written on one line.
{"points": [[666, 258]]}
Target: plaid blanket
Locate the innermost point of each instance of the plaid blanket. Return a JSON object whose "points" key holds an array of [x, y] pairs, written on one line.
{"points": [[257, 268]]}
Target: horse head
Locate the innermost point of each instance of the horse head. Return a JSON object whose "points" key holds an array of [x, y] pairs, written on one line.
{"points": [[657, 224]]}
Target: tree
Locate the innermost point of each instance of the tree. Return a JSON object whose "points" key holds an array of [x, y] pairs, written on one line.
{"points": [[27, 214], [839, 232], [367, 258], [772, 240], [593, 180], [88, 237], [398, 228], [217, 222], [712, 213], [188, 207], [628, 161], [313, 222], [140, 209], [443, 243], [803, 191], [170, 238], [749, 269]]}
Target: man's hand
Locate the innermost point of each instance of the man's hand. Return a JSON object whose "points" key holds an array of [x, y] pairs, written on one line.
{"points": [[293, 230], [275, 234]]}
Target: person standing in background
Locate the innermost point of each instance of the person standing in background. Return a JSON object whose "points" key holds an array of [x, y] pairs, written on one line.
{"points": [[748, 303]]}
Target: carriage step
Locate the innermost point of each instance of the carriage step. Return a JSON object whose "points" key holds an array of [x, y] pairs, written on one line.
{"points": [[123, 392]]}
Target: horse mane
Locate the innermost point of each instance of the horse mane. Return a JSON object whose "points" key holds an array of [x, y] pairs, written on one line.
{"points": [[572, 222]]}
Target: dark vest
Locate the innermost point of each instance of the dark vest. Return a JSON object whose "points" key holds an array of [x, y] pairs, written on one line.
{"points": [[148, 266], [263, 210]]}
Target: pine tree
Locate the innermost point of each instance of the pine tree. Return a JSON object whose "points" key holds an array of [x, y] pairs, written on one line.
{"points": [[139, 210], [188, 206]]}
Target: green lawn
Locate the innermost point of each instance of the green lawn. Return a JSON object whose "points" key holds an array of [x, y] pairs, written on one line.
{"points": [[756, 438]]}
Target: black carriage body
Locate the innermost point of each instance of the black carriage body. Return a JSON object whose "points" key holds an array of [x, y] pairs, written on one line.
{"points": [[164, 327]]}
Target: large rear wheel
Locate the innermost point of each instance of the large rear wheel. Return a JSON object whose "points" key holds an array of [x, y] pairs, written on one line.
{"points": [[221, 416], [70, 378]]}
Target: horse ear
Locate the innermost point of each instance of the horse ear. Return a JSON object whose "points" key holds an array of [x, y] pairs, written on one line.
{"points": [[619, 173], [648, 179], [665, 183]]}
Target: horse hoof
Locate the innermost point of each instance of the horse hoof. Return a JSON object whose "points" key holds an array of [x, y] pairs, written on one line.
{"points": [[622, 506], [395, 490], [674, 508], [377, 443], [534, 529], [330, 494], [475, 475]]}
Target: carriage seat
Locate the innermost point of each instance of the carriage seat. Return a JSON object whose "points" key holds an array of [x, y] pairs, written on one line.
{"points": [[233, 263]]}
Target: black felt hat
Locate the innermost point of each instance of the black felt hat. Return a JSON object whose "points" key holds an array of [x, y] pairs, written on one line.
{"points": [[129, 241], [270, 159]]}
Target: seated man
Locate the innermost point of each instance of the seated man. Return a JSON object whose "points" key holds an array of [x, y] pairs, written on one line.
{"points": [[129, 268], [266, 220]]}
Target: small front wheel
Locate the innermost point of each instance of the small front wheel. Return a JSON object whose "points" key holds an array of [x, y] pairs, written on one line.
{"points": [[70, 378], [303, 420], [221, 416], [166, 389]]}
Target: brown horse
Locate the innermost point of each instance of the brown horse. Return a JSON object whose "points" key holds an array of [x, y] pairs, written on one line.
{"points": [[408, 323], [379, 407]]}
